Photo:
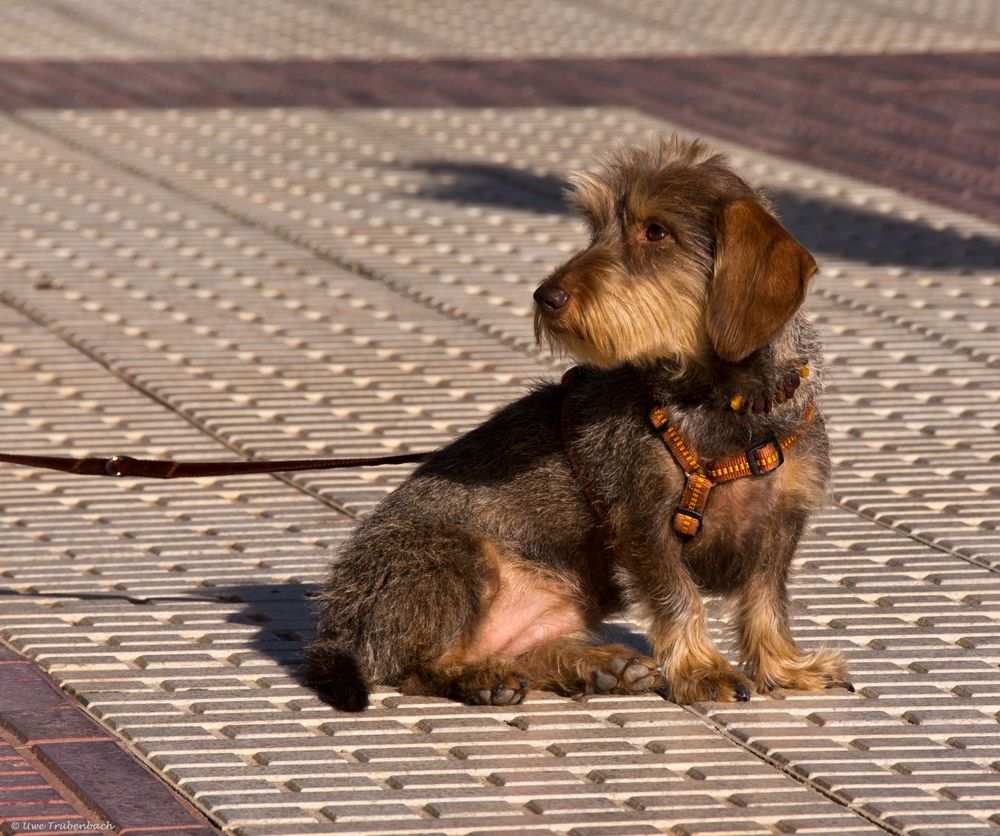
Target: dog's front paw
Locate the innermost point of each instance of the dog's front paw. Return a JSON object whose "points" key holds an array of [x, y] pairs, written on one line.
{"points": [[717, 684], [801, 671]]}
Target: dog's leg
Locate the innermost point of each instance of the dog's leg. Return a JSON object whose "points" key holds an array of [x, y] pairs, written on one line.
{"points": [[767, 651], [692, 666], [567, 665], [522, 608], [489, 681], [571, 665]]}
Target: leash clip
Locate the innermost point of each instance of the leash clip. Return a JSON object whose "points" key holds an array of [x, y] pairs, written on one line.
{"points": [[112, 467]]}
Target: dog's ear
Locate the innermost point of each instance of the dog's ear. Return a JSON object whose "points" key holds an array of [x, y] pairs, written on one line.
{"points": [[760, 279]]}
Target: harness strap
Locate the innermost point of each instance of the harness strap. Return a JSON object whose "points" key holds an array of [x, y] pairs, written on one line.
{"points": [[700, 477]]}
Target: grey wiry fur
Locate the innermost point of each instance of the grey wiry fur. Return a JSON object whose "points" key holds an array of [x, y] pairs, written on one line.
{"points": [[430, 592]]}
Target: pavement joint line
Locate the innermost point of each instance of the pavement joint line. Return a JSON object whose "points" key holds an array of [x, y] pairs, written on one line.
{"points": [[917, 537], [56, 331], [723, 731], [359, 269]]}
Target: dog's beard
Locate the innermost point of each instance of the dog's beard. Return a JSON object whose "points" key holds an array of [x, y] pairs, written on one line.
{"points": [[610, 329]]}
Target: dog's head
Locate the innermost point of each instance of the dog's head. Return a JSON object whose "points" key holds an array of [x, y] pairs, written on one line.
{"points": [[684, 261]]}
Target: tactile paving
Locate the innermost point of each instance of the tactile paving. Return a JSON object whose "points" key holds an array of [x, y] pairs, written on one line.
{"points": [[213, 282], [471, 237], [78, 29], [175, 612]]}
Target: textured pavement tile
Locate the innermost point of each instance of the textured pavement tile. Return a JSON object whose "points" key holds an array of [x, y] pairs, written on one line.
{"points": [[285, 28], [294, 281], [500, 305]]}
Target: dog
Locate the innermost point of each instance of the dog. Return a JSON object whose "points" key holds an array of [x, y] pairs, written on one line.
{"points": [[682, 459]]}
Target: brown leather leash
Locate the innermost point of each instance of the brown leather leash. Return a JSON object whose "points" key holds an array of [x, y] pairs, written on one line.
{"points": [[128, 467]]}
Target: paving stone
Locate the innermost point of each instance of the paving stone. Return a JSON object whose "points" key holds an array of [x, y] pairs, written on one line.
{"points": [[58, 723], [25, 687], [115, 784]]}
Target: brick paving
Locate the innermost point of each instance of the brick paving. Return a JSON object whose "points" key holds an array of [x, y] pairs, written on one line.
{"points": [[313, 228], [923, 124], [62, 772]]}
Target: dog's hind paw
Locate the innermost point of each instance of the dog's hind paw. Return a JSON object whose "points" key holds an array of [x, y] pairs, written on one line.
{"points": [[510, 690], [626, 675]]}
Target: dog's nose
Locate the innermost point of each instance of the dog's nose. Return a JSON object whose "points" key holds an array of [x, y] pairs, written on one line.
{"points": [[551, 298]]}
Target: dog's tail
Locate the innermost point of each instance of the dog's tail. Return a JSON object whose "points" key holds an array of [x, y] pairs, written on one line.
{"points": [[336, 675]]}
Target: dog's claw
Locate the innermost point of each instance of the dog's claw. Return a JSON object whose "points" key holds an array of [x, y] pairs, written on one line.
{"points": [[509, 691], [849, 686], [742, 694]]}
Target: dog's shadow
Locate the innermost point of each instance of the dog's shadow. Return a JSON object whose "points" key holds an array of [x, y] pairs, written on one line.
{"points": [[281, 617], [826, 227]]}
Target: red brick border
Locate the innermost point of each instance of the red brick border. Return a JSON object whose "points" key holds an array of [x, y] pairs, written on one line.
{"points": [[58, 766], [926, 124]]}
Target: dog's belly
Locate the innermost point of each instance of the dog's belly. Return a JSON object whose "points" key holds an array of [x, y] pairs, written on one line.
{"points": [[527, 609]]}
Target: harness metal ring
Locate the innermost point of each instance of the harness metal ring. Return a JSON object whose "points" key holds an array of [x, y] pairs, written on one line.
{"points": [[111, 466]]}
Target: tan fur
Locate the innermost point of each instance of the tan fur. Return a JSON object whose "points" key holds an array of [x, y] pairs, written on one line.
{"points": [[688, 657], [769, 655], [614, 319]]}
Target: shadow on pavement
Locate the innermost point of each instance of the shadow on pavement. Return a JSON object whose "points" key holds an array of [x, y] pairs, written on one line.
{"points": [[282, 614], [826, 227]]}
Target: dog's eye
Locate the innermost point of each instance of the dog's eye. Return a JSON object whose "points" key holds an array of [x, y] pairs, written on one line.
{"points": [[655, 232]]}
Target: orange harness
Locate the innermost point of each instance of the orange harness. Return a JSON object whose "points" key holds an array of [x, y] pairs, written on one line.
{"points": [[701, 478]]}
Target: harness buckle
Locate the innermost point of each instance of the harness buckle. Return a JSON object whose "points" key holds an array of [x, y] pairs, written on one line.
{"points": [[752, 460]]}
